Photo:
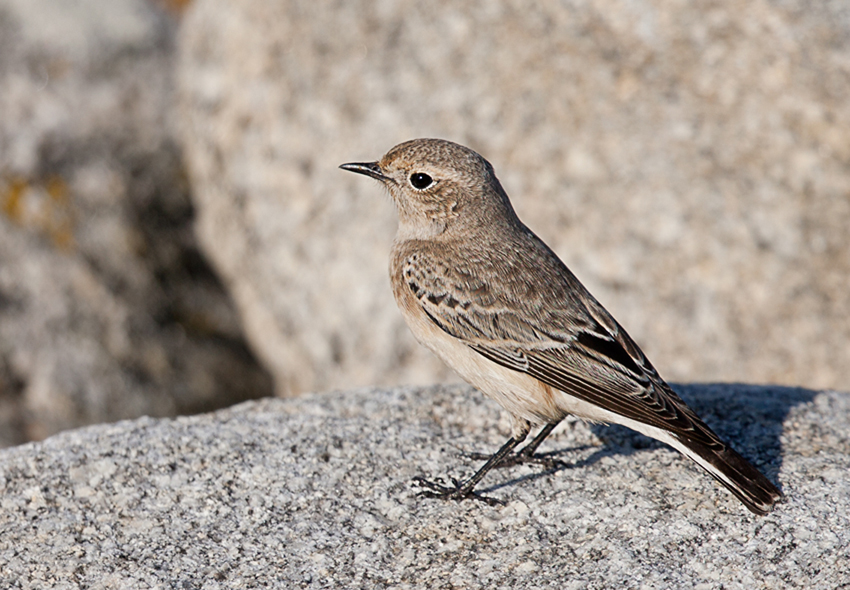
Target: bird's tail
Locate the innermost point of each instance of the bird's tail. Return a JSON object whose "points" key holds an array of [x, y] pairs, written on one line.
{"points": [[735, 473]]}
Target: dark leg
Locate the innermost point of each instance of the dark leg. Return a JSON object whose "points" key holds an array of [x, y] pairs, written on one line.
{"points": [[528, 450], [526, 454], [463, 490]]}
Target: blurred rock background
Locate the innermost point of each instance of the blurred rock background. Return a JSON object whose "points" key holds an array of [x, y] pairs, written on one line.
{"points": [[689, 162], [107, 308]]}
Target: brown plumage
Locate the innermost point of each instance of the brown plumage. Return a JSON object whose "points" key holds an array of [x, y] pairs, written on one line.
{"points": [[486, 295]]}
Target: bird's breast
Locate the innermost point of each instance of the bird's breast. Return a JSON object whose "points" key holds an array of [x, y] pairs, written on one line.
{"points": [[522, 396]]}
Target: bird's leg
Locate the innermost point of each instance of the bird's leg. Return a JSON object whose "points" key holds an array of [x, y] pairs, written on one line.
{"points": [[463, 490], [526, 454]]}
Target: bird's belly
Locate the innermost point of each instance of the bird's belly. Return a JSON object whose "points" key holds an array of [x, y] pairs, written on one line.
{"points": [[525, 398]]}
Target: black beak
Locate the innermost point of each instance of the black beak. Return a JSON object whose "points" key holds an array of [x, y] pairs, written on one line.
{"points": [[368, 168]]}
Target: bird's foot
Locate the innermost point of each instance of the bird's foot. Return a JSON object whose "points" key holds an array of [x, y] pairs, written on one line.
{"points": [[456, 491]]}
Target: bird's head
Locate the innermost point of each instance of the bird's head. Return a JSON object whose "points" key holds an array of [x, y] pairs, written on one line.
{"points": [[438, 186]]}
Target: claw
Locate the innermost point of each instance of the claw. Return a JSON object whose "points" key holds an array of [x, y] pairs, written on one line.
{"points": [[457, 492]]}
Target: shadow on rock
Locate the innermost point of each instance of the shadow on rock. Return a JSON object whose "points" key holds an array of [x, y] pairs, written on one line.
{"points": [[749, 417]]}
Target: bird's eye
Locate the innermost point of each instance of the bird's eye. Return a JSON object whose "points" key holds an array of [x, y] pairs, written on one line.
{"points": [[420, 180]]}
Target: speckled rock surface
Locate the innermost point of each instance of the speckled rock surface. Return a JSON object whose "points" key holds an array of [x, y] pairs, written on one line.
{"points": [[690, 162], [315, 492]]}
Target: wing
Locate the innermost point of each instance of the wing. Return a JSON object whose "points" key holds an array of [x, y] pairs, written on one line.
{"points": [[558, 334]]}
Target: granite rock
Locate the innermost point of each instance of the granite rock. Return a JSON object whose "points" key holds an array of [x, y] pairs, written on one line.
{"points": [[688, 161], [107, 309], [315, 492]]}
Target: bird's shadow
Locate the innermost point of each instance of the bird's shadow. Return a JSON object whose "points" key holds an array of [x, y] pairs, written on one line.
{"points": [[749, 417]]}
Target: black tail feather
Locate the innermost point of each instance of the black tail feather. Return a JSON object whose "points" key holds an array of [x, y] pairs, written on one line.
{"points": [[735, 473]]}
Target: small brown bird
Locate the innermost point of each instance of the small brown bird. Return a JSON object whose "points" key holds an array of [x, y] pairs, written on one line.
{"points": [[489, 298]]}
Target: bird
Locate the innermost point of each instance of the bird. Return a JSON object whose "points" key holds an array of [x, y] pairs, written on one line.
{"points": [[495, 303]]}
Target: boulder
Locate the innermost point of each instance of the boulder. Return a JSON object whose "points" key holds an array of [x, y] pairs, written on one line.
{"points": [[688, 161], [316, 492], [107, 309]]}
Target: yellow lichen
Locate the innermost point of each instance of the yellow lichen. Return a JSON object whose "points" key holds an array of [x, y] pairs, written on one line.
{"points": [[11, 199], [43, 207]]}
